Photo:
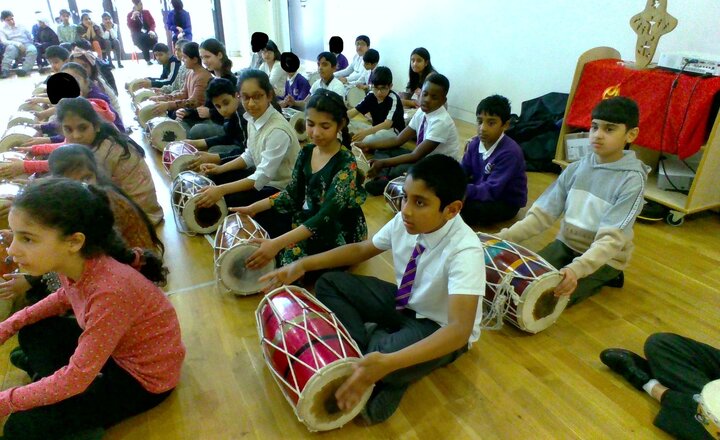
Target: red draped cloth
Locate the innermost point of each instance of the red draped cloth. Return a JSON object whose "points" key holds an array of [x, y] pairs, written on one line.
{"points": [[683, 112]]}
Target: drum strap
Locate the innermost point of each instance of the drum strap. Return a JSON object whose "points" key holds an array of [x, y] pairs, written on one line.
{"points": [[402, 296]]}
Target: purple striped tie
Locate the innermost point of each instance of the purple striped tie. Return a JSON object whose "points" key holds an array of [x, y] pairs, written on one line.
{"points": [[403, 294], [421, 133]]}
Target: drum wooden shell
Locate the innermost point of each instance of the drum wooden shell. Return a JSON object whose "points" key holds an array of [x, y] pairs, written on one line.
{"points": [[520, 283], [16, 136], [163, 130], [232, 248], [394, 193], [8, 192], [189, 218], [145, 112], [708, 411], [177, 157], [40, 89], [30, 107], [21, 118], [362, 162], [353, 96], [309, 353]]}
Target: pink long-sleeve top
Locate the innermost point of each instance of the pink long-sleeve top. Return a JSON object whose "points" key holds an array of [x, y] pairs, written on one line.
{"points": [[123, 315]]}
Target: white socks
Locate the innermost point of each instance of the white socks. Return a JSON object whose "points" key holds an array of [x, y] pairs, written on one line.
{"points": [[648, 387]]}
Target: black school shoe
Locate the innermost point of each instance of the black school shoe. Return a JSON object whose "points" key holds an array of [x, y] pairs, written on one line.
{"points": [[376, 186], [633, 367], [383, 403], [653, 212], [617, 282]]}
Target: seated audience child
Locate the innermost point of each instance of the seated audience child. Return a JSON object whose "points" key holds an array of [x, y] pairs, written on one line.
{"points": [[224, 95], [675, 369], [91, 32], [125, 356], [266, 165], [355, 70], [326, 66], [432, 128], [193, 91], [370, 62], [430, 315], [297, 88], [271, 66], [324, 195], [44, 37], [110, 40], [384, 107], [336, 47], [600, 197], [56, 57], [495, 166], [204, 121], [420, 69]]}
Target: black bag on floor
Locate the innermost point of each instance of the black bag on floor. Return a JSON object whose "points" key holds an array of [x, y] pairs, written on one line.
{"points": [[537, 130]]}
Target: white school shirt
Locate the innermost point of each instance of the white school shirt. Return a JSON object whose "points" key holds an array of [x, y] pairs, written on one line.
{"points": [[277, 76], [439, 127], [278, 143], [453, 263], [487, 153], [334, 86], [354, 68]]}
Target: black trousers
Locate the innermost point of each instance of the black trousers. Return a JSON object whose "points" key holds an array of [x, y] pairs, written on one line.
{"points": [[397, 170], [685, 366], [144, 42], [357, 300], [111, 45], [113, 396], [487, 213]]}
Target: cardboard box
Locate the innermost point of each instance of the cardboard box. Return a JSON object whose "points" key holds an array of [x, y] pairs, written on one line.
{"points": [[577, 145]]}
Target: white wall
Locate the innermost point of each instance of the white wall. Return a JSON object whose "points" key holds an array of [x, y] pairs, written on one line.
{"points": [[241, 18], [518, 48]]}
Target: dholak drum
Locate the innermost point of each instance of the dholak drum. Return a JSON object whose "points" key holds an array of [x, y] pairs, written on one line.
{"points": [[353, 96], [145, 112], [21, 118], [141, 96], [8, 192], [134, 85], [362, 163], [394, 193], [6, 266], [708, 411], [163, 130], [16, 136], [519, 286], [309, 353], [296, 118], [189, 218], [232, 248], [177, 157], [30, 107], [40, 89]]}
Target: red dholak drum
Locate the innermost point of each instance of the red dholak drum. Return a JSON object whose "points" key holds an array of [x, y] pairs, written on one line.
{"points": [[163, 130], [177, 157], [189, 218], [394, 193], [232, 248], [519, 286], [309, 353]]}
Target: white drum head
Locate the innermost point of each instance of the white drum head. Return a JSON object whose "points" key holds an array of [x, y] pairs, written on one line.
{"points": [[354, 96], [16, 136], [317, 408], [30, 107], [164, 130], [297, 122], [142, 95], [40, 90], [145, 112], [180, 164], [204, 220], [233, 274], [21, 118], [539, 308]]}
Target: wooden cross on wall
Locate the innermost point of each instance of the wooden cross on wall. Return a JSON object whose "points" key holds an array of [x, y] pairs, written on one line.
{"points": [[649, 25]]}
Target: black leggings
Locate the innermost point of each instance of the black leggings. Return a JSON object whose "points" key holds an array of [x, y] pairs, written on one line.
{"points": [[113, 396]]}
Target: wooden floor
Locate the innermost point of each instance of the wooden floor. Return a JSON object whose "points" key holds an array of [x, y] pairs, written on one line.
{"points": [[511, 385]]}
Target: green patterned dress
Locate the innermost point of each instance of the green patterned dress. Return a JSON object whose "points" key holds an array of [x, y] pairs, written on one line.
{"points": [[326, 202]]}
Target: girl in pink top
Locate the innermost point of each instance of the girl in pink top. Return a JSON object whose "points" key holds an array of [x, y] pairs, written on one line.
{"points": [[128, 355]]}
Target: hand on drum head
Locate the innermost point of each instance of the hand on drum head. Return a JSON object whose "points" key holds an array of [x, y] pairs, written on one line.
{"points": [[359, 136], [206, 168], [363, 146], [375, 167], [160, 109], [36, 141], [285, 275], [247, 210], [266, 252], [343, 80], [371, 368], [15, 286], [568, 284], [209, 196], [38, 100], [13, 168], [25, 150]]}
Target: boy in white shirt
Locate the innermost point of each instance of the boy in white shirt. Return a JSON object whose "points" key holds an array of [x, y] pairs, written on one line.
{"points": [[430, 315], [356, 69], [326, 67]]}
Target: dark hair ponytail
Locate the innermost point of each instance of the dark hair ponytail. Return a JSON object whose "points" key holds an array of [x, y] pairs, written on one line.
{"points": [[70, 207], [263, 81], [327, 101], [416, 80]]}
